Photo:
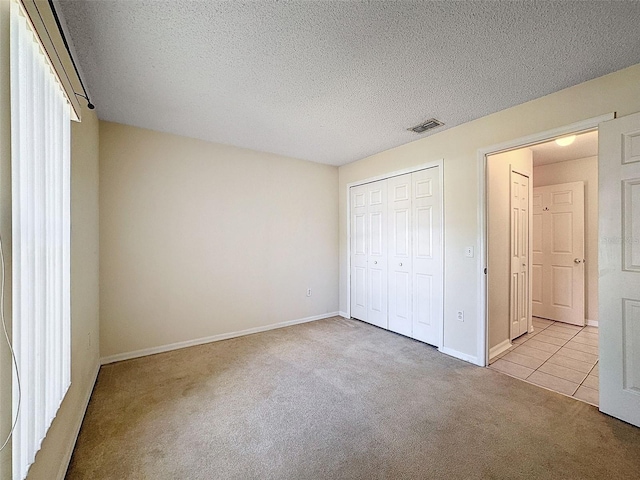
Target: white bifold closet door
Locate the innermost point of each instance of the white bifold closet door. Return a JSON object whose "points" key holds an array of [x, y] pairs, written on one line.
{"points": [[410, 292], [369, 253]]}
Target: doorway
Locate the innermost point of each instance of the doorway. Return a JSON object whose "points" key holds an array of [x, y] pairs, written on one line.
{"points": [[542, 263]]}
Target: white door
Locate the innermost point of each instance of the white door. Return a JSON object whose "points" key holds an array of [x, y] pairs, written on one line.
{"points": [[377, 254], [558, 253], [369, 253], [400, 228], [426, 282], [359, 252], [619, 263], [519, 285]]}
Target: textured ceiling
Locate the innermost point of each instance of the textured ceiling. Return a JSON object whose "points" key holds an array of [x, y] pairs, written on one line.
{"points": [[585, 145], [331, 81]]}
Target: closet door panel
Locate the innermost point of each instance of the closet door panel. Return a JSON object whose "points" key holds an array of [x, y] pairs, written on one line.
{"points": [[400, 298], [377, 254], [427, 256], [359, 241]]}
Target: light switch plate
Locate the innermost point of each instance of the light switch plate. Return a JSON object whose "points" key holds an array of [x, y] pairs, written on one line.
{"points": [[468, 252]]}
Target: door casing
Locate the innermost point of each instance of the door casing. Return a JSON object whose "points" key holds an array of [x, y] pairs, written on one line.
{"points": [[482, 263]]}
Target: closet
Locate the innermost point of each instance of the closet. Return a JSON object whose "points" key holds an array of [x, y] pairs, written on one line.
{"points": [[396, 254]]}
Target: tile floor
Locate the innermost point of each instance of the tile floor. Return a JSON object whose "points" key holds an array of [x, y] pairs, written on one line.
{"points": [[557, 356]]}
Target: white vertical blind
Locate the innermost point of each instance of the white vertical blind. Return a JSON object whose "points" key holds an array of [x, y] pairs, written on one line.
{"points": [[40, 133]]}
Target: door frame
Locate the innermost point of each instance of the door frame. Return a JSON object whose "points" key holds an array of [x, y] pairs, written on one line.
{"points": [[522, 142], [396, 173]]}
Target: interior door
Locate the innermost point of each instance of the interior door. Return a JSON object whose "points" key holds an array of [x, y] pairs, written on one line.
{"points": [[377, 253], [400, 227], [427, 256], [619, 263], [558, 253], [519, 286], [359, 252]]}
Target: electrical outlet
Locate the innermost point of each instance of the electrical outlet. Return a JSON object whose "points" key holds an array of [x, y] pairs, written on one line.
{"points": [[460, 315], [308, 292], [468, 252]]}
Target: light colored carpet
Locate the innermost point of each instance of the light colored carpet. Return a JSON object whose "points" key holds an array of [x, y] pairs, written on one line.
{"points": [[336, 399]]}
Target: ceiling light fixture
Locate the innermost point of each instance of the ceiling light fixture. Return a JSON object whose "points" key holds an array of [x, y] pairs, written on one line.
{"points": [[564, 141]]}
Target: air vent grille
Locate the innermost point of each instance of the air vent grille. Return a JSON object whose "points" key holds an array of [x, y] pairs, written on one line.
{"points": [[428, 125]]}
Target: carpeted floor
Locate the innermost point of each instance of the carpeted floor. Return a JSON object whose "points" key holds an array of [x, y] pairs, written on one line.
{"points": [[336, 399]]}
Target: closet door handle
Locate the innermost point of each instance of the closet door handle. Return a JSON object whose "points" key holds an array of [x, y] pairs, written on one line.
{"points": [[375, 262], [401, 264]]}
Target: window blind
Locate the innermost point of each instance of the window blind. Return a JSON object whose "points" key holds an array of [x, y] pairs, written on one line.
{"points": [[40, 146]]}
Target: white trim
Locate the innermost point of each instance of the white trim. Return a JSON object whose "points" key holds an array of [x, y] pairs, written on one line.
{"points": [[66, 458], [343, 314], [501, 347], [592, 323], [588, 124], [404, 171], [460, 355], [214, 338]]}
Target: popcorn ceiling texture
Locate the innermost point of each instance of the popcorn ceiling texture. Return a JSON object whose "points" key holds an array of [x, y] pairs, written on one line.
{"points": [[330, 81]]}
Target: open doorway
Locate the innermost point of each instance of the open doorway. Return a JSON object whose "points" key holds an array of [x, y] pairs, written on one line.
{"points": [[542, 253]]}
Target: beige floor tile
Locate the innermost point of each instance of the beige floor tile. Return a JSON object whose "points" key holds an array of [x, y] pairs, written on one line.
{"points": [[596, 370], [587, 394], [558, 333], [524, 360], [553, 383], [575, 354], [540, 326], [585, 340], [533, 352], [581, 347], [566, 327], [552, 340], [587, 335], [563, 372], [592, 382], [547, 347], [512, 369], [520, 340], [580, 366], [542, 321]]}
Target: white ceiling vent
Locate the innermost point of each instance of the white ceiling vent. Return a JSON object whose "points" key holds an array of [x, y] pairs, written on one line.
{"points": [[428, 125]]}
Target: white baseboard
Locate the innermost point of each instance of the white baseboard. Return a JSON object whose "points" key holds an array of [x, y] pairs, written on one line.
{"points": [[66, 459], [214, 338], [344, 315], [592, 323], [501, 347], [461, 356]]}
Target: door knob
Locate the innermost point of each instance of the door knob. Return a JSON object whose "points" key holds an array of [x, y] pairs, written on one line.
{"points": [[375, 262], [577, 261], [400, 264]]}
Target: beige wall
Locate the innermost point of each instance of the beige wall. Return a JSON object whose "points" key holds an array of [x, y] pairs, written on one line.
{"points": [[458, 147], [585, 170], [200, 239], [499, 245], [51, 460]]}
